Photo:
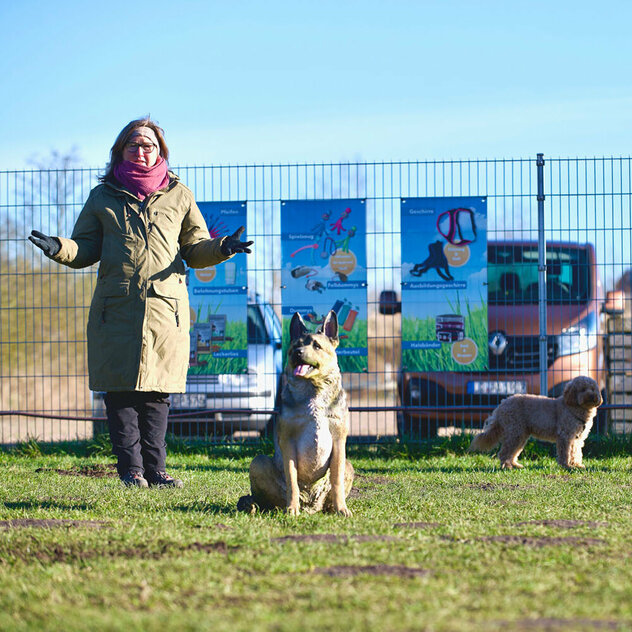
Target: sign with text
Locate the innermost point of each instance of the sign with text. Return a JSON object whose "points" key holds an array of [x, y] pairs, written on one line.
{"points": [[323, 249], [218, 300], [444, 284]]}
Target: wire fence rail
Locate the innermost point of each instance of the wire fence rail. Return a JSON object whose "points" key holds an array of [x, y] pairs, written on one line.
{"points": [[44, 306]]}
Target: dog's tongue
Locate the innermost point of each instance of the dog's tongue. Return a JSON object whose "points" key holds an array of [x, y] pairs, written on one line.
{"points": [[302, 370]]}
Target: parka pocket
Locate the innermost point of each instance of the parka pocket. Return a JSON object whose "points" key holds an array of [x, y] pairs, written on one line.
{"points": [[172, 292], [108, 291]]}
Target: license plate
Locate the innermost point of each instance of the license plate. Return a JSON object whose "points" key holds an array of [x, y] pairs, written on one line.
{"points": [[510, 387]]}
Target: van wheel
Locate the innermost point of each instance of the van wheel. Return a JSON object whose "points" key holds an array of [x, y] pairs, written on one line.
{"points": [[601, 425], [416, 428], [268, 431]]}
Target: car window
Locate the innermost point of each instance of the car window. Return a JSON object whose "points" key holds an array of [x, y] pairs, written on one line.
{"points": [[512, 275]]}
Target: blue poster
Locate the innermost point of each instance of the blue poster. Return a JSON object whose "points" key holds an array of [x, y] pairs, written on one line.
{"points": [[323, 250], [444, 284], [218, 299]]}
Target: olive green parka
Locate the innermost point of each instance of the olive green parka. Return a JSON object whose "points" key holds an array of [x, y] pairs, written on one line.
{"points": [[138, 325]]}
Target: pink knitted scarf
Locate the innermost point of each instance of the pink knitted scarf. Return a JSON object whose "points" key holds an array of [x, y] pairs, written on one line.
{"points": [[141, 180]]}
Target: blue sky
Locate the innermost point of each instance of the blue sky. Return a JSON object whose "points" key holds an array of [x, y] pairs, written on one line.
{"points": [[245, 82]]}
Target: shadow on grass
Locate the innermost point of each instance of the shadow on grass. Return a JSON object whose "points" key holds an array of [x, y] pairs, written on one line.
{"points": [[404, 448], [47, 504], [207, 508], [213, 467]]}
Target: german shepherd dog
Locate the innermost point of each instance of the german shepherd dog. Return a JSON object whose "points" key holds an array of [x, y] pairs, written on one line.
{"points": [[309, 470]]}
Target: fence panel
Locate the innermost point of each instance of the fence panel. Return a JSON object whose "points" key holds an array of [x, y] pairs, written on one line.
{"points": [[44, 306]]}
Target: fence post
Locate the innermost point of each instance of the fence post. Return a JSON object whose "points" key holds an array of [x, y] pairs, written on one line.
{"points": [[542, 300]]}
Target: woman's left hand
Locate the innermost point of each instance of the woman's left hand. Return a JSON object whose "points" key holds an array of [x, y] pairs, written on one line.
{"points": [[232, 245]]}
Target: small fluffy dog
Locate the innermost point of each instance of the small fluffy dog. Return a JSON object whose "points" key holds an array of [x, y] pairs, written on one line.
{"points": [[565, 420], [309, 470]]}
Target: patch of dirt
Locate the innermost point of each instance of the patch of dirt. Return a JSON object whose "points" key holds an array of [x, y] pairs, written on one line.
{"points": [[537, 543], [50, 523], [490, 487], [368, 484], [74, 552], [416, 525], [334, 538], [374, 480], [374, 569], [563, 524], [218, 525], [210, 547], [95, 471], [553, 625], [355, 493]]}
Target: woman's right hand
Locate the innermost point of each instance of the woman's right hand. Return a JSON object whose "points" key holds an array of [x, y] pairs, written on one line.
{"points": [[50, 245]]}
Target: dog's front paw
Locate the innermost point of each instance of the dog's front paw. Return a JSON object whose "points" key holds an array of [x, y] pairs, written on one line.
{"points": [[292, 510], [341, 509]]}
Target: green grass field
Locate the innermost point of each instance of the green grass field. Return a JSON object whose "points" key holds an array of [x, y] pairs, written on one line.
{"points": [[439, 540]]}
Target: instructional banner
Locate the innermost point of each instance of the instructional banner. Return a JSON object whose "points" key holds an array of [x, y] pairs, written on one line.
{"points": [[323, 249], [218, 300], [444, 284]]}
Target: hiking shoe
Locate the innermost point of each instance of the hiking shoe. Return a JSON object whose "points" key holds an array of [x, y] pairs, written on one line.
{"points": [[162, 479], [134, 479]]}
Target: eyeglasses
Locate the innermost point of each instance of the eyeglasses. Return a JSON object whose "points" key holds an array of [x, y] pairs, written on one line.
{"points": [[146, 147]]}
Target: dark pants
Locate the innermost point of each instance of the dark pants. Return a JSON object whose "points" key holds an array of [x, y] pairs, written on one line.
{"points": [[138, 424]]}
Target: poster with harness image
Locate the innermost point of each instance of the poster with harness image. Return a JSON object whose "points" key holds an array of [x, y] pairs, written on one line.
{"points": [[323, 249], [218, 300], [444, 284]]}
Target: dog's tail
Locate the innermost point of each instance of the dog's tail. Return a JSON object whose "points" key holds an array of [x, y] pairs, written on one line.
{"points": [[486, 440]]}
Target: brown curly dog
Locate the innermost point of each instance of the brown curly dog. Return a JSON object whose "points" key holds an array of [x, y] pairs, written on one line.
{"points": [[565, 420]]}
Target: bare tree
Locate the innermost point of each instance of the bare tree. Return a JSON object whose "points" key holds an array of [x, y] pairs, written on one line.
{"points": [[54, 185]]}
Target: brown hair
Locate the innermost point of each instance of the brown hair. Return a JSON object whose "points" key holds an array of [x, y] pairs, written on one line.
{"points": [[116, 153]]}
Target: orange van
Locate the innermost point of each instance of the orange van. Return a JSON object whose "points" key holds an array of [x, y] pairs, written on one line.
{"points": [[574, 296]]}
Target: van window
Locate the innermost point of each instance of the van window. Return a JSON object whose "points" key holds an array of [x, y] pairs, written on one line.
{"points": [[512, 275], [257, 334]]}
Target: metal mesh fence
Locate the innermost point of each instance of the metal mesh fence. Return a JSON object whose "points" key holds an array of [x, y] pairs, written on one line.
{"points": [[44, 306]]}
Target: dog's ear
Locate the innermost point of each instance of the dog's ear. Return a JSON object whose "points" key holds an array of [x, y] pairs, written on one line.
{"points": [[297, 327], [570, 394], [330, 327]]}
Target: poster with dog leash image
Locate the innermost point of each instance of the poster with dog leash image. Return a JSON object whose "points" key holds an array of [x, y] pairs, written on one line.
{"points": [[218, 300], [323, 250], [444, 284]]}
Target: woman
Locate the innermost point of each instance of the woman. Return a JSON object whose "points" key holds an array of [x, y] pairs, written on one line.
{"points": [[142, 224]]}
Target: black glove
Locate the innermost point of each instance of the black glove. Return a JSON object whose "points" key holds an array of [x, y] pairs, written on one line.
{"points": [[231, 244], [50, 245]]}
